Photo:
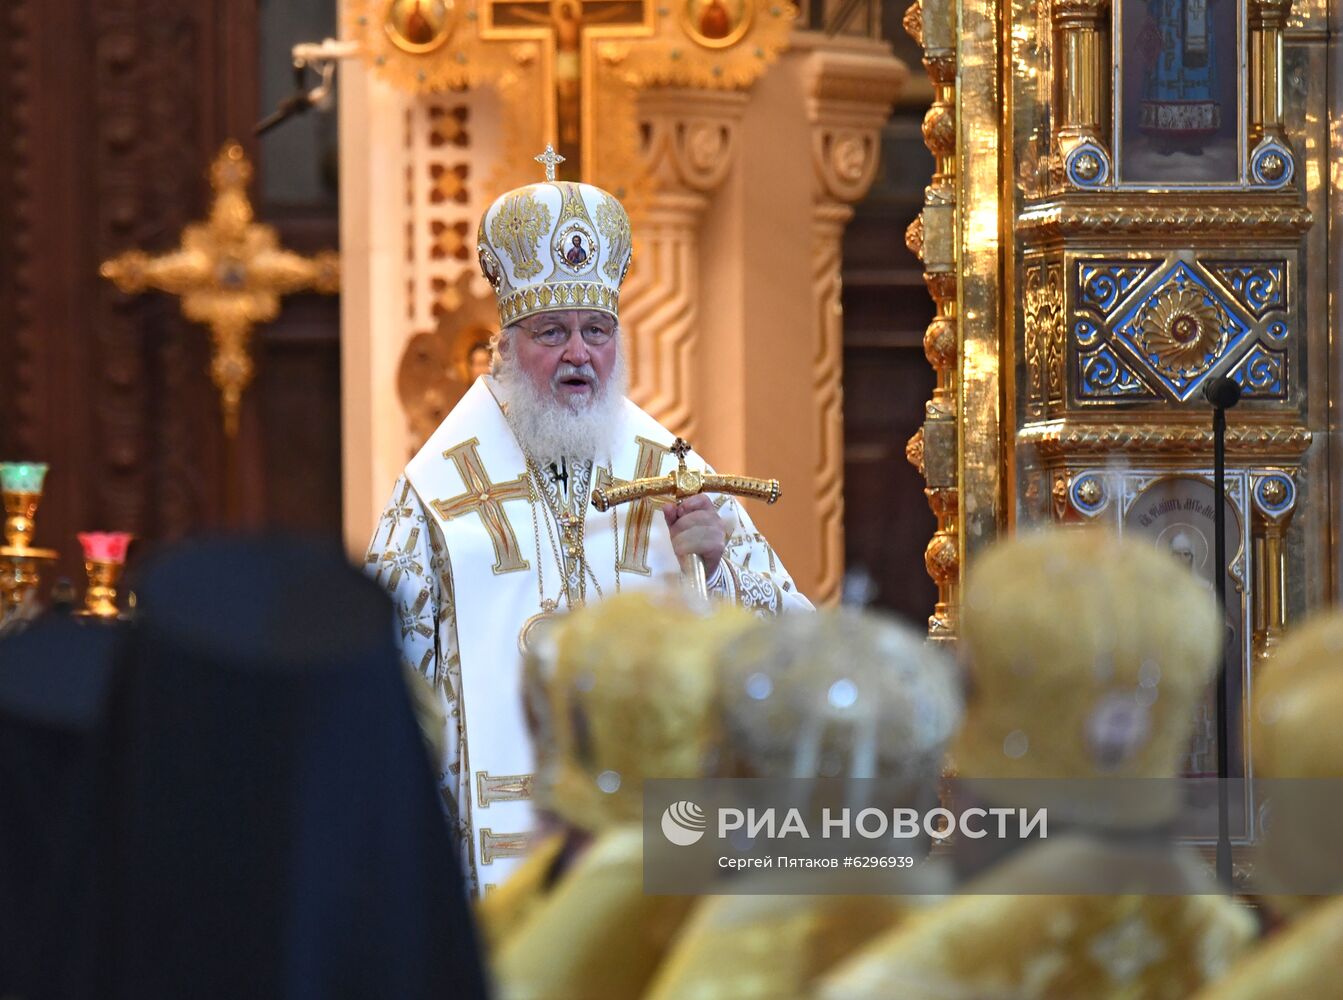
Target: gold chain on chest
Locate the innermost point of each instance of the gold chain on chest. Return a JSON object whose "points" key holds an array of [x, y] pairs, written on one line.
{"points": [[570, 557]]}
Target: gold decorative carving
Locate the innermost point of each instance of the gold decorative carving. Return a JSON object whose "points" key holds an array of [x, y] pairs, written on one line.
{"points": [[1268, 20], [1055, 220], [408, 45], [933, 449], [1044, 339], [230, 273], [1273, 493], [439, 365], [1181, 330], [914, 237], [1057, 439], [914, 450], [1081, 91], [913, 22], [1089, 492], [942, 559]]}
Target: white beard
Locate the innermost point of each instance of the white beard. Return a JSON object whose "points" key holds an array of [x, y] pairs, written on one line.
{"points": [[549, 429]]}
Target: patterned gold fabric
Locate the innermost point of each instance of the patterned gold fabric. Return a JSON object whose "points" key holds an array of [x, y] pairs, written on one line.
{"points": [[771, 947], [407, 557], [1298, 699], [632, 695], [1053, 947], [1295, 733], [853, 692], [597, 935], [1299, 962], [1088, 654]]}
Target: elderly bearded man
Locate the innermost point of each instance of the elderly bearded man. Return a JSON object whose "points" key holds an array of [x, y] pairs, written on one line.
{"points": [[491, 528]]}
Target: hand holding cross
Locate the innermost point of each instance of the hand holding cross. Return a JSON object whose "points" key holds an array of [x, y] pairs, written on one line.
{"points": [[681, 484]]}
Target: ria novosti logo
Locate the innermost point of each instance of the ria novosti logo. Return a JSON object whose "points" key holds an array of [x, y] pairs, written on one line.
{"points": [[683, 823]]}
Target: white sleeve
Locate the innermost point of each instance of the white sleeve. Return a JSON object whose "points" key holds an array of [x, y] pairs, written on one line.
{"points": [[752, 575], [408, 558]]}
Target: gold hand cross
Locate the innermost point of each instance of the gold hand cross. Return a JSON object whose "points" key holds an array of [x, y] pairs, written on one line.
{"points": [[680, 484]]}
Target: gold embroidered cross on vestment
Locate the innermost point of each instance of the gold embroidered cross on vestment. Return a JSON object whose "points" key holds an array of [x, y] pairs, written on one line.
{"points": [[486, 499]]}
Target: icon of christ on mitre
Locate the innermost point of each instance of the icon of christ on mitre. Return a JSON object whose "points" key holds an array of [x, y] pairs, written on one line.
{"points": [[491, 528]]}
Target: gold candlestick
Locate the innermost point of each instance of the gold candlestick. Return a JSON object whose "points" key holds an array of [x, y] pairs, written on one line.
{"points": [[20, 562], [104, 557]]}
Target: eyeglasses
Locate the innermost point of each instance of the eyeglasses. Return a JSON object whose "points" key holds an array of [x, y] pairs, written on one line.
{"points": [[556, 334]]}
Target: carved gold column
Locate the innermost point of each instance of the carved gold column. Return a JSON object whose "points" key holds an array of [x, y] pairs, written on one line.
{"points": [[1274, 500], [1082, 92], [932, 238], [851, 90], [1271, 163], [689, 141]]}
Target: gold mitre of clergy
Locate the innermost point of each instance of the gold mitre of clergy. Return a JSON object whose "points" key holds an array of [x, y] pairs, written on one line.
{"points": [[555, 245], [838, 693], [632, 695], [1298, 700], [1087, 654], [1294, 733]]}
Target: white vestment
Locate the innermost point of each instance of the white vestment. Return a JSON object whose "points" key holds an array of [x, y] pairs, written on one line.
{"points": [[459, 548]]}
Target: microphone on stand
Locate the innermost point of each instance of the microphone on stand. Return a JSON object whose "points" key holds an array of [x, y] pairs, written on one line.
{"points": [[1223, 393]]}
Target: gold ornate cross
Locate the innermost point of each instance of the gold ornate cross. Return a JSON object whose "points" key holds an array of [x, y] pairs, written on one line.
{"points": [[551, 160], [230, 273], [680, 484], [486, 499]]}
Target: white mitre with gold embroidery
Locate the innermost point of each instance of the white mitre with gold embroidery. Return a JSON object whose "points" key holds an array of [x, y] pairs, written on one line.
{"points": [[555, 245]]}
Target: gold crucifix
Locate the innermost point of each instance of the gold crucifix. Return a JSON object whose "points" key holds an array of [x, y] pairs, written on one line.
{"points": [[230, 273], [570, 27]]}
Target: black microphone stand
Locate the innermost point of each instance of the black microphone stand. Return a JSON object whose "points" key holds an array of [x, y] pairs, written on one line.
{"points": [[1223, 393]]}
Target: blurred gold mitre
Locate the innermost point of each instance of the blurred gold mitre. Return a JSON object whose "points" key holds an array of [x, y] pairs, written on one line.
{"points": [[1087, 654], [1298, 701], [837, 693], [555, 245], [630, 693], [1294, 733]]}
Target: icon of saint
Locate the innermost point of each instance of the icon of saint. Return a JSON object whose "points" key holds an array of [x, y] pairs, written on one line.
{"points": [[576, 255], [1179, 109]]}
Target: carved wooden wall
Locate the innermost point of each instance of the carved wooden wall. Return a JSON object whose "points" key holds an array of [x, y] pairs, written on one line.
{"points": [[110, 111]]}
